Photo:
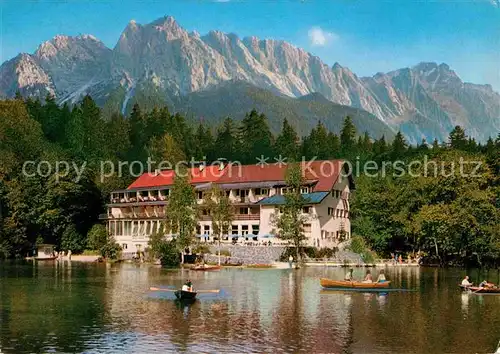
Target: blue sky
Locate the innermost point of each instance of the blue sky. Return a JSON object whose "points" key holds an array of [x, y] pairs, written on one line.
{"points": [[366, 36]]}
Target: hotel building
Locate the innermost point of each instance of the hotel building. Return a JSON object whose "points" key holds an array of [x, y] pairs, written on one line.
{"points": [[257, 192]]}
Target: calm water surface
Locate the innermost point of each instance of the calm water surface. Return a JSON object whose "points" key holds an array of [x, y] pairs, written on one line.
{"points": [[70, 307]]}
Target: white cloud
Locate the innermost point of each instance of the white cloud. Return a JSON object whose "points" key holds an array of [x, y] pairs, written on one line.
{"points": [[320, 38]]}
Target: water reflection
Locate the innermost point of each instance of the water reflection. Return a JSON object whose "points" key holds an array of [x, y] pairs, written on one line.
{"points": [[76, 307]]}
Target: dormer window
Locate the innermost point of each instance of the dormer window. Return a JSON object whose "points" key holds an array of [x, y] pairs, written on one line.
{"points": [[304, 190]]}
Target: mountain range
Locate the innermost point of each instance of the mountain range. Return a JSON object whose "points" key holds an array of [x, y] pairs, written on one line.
{"points": [[219, 74]]}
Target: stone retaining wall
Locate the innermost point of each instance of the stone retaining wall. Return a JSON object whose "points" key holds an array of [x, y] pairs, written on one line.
{"points": [[247, 254]]}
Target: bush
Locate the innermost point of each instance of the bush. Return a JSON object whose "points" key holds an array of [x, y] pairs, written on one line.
{"points": [[225, 253], [97, 237], [201, 249], [310, 252], [168, 254], [72, 241], [358, 245], [111, 250]]}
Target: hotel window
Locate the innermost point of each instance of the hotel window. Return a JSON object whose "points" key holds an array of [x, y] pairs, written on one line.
{"points": [[304, 190], [264, 191], [307, 228], [135, 228], [284, 190], [257, 191], [307, 210], [205, 211], [124, 246], [198, 229], [244, 211], [206, 230], [244, 229], [335, 193], [199, 195], [255, 229], [228, 193], [234, 229], [330, 211]]}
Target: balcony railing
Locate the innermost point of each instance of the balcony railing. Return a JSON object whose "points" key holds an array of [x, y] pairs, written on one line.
{"points": [[247, 217], [132, 216]]}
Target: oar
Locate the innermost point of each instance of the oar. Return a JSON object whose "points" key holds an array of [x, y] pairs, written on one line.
{"points": [[161, 289], [197, 291]]}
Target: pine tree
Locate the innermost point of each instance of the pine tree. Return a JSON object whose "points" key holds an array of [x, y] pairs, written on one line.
{"points": [[204, 143], [348, 137], [333, 145], [458, 139], [399, 146], [256, 137], [423, 145], [226, 142], [137, 134], [435, 145], [380, 146], [316, 145], [287, 143]]}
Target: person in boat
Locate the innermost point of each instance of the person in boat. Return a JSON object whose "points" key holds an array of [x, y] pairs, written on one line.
{"points": [[466, 282], [368, 277], [381, 277], [348, 276], [188, 286], [485, 284]]}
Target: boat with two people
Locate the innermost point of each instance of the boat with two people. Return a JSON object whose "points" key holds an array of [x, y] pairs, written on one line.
{"points": [[484, 287]]}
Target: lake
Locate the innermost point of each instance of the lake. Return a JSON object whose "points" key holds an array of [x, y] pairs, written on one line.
{"points": [[71, 307]]}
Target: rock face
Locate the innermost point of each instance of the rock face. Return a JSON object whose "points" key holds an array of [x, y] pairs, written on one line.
{"points": [[162, 60]]}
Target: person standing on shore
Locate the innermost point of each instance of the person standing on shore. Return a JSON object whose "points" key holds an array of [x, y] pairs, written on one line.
{"points": [[290, 261]]}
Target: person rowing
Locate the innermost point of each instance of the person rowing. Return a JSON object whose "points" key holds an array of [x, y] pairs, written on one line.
{"points": [[465, 282], [348, 276], [368, 277], [188, 286]]}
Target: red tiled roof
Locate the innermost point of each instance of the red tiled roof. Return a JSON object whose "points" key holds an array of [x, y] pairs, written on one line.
{"points": [[166, 177], [325, 172]]}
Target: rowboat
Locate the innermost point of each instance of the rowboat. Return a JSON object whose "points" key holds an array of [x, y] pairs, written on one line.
{"points": [[206, 267], [344, 284], [478, 290], [185, 295]]}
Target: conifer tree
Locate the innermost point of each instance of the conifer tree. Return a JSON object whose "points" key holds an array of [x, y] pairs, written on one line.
{"points": [[287, 143], [399, 146], [348, 137], [458, 139]]}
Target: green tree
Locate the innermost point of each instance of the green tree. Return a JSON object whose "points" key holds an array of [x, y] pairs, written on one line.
{"points": [[166, 149], [97, 237], [458, 139], [287, 143], [348, 137], [255, 137], [399, 147], [72, 240], [221, 211], [181, 213], [290, 222], [226, 143]]}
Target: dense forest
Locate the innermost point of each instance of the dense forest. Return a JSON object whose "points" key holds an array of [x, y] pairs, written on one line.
{"points": [[450, 210]]}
